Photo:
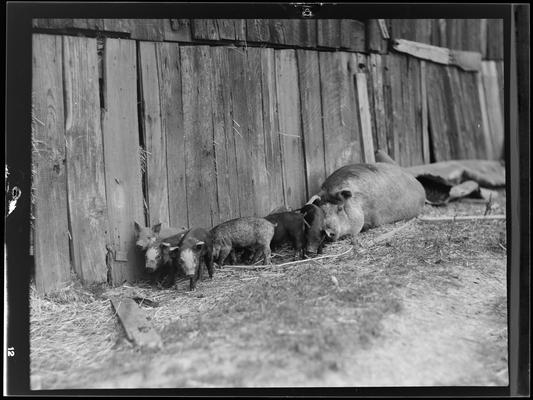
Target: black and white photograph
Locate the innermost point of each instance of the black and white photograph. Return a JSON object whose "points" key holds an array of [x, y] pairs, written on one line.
{"points": [[298, 202]]}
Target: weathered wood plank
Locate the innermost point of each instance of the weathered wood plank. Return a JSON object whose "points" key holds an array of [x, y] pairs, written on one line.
{"points": [[142, 29], [381, 116], [495, 38], [85, 159], [313, 134], [417, 30], [226, 29], [271, 129], [493, 103], [367, 144], [240, 130], [328, 33], [290, 128], [375, 43], [204, 29], [258, 30], [240, 29], [425, 127], [178, 30], [352, 35], [436, 54], [154, 137], [121, 157], [440, 118], [339, 111], [169, 76], [394, 66], [52, 264], [261, 199], [472, 114], [196, 68], [138, 328], [457, 105], [224, 138], [485, 128]]}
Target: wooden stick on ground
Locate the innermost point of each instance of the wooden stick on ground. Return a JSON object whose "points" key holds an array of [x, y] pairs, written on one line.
{"points": [[463, 218]]}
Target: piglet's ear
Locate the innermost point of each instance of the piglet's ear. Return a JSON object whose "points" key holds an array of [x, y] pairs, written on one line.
{"points": [[137, 226], [156, 228]]}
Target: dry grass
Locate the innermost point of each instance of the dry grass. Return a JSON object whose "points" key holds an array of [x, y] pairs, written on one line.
{"points": [[245, 327]]}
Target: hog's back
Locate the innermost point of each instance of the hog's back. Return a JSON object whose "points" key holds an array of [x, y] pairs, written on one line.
{"points": [[385, 192]]}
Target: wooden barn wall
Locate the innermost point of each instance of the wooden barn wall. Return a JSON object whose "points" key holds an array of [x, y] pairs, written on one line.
{"points": [[481, 35], [228, 131]]}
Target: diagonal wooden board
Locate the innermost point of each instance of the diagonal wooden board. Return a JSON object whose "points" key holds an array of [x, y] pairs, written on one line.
{"points": [[137, 327]]}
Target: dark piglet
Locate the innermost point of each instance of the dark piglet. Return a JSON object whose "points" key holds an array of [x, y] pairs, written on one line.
{"points": [[250, 233], [193, 251], [290, 228], [315, 233]]}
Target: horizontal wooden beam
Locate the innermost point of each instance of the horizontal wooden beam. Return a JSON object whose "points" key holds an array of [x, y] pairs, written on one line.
{"points": [[467, 60]]}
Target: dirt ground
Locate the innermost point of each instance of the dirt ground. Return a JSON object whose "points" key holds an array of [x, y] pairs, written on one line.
{"points": [[426, 307]]}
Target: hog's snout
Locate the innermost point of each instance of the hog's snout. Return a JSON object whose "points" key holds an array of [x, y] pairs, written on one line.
{"points": [[330, 234]]}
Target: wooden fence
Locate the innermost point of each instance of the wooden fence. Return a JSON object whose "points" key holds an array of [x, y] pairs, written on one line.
{"points": [[228, 131]]}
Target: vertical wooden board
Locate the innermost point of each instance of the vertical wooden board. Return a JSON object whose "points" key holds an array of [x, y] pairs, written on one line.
{"points": [[204, 29], [290, 128], [329, 33], [483, 38], [457, 106], [121, 157], [271, 129], [169, 76], [495, 38], [367, 144], [154, 136], [454, 34], [258, 30], [226, 29], [85, 159], [240, 130], [473, 115], [352, 34], [339, 111], [178, 30], [123, 25], [375, 43], [224, 140], [394, 66], [278, 32], [52, 264], [240, 29], [196, 68], [501, 82], [148, 29], [313, 134], [493, 103], [261, 199], [304, 32], [413, 111], [485, 127], [417, 30], [426, 155], [440, 125], [380, 114]]}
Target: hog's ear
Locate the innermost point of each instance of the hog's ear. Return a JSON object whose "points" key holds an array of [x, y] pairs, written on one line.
{"points": [[156, 228], [137, 226]]}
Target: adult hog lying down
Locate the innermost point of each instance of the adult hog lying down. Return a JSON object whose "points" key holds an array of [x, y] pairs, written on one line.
{"points": [[361, 196]]}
